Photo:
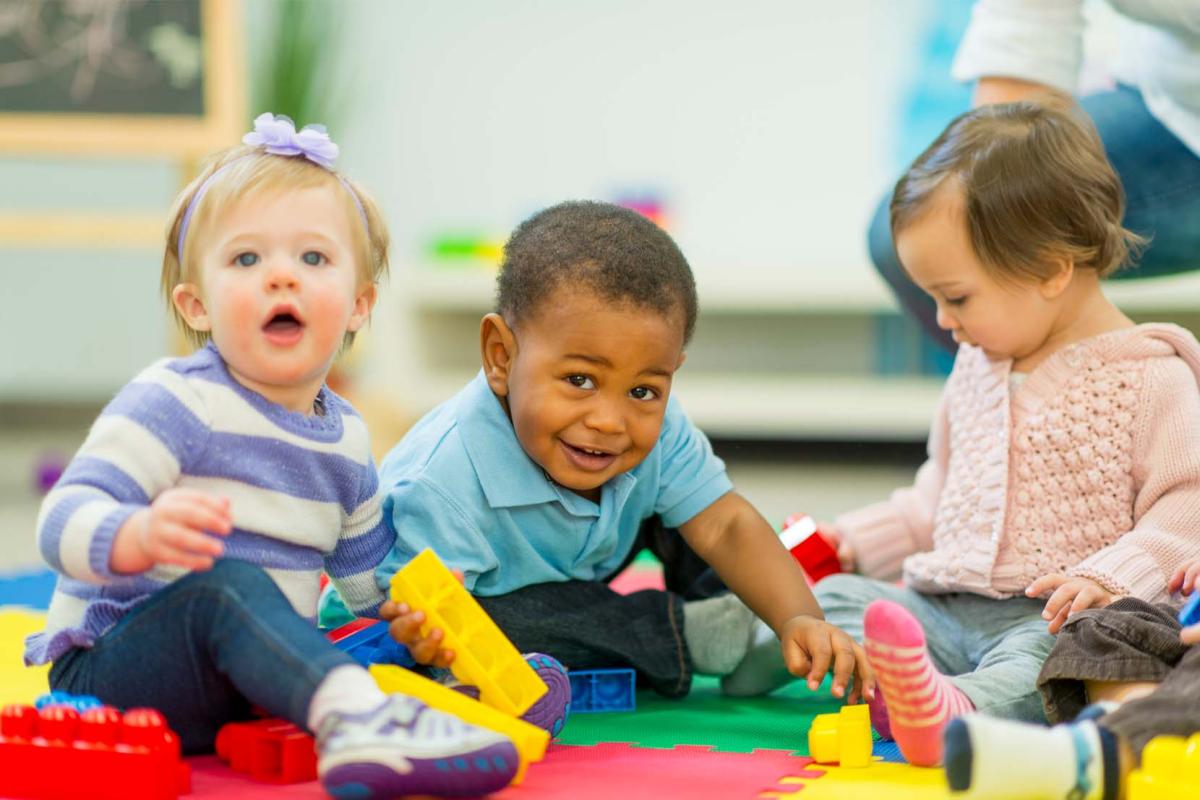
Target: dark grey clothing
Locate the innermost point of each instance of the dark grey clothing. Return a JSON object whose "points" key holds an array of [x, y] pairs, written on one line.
{"points": [[1129, 641], [587, 625]]}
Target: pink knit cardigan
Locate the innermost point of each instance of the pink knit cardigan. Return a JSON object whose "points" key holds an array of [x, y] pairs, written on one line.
{"points": [[1090, 466]]}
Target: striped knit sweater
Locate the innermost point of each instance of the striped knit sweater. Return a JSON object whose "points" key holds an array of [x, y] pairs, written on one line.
{"points": [[303, 492]]}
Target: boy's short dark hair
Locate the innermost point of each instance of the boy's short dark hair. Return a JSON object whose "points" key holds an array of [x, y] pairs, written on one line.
{"points": [[613, 251]]}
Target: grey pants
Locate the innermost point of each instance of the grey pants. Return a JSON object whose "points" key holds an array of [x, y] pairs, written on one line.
{"points": [[993, 649], [1130, 641]]}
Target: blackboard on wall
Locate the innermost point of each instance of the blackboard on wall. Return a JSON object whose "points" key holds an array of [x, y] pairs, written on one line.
{"points": [[136, 76]]}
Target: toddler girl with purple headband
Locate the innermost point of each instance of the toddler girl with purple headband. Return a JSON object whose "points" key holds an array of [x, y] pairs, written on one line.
{"points": [[190, 529]]}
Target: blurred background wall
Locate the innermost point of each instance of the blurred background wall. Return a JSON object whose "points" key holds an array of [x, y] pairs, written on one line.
{"points": [[760, 134]]}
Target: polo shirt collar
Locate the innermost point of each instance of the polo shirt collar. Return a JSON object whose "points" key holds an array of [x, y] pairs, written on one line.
{"points": [[509, 477]]}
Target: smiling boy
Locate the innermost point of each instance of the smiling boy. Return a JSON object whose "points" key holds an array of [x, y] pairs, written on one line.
{"points": [[567, 454]]}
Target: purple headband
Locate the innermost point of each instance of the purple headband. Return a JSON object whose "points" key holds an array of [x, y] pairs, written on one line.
{"points": [[278, 136]]}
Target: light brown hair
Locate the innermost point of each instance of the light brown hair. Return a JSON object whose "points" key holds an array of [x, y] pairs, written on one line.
{"points": [[1037, 189], [245, 172]]}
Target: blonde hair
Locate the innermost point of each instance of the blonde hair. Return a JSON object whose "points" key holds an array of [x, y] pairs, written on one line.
{"points": [[1036, 188], [245, 172]]}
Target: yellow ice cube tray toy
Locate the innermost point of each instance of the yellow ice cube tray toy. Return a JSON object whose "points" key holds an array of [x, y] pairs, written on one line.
{"points": [[484, 657]]}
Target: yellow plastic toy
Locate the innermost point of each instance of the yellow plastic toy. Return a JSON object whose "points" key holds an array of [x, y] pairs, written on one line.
{"points": [[1170, 770], [484, 657], [843, 738], [530, 740]]}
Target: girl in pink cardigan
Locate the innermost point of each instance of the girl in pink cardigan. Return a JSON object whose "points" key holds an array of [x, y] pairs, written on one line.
{"points": [[1064, 460]]}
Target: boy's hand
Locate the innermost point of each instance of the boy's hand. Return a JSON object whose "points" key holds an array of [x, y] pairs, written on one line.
{"points": [[845, 550], [1185, 578], [811, 646], [1071, 595], [405, 628], [177, 528]]}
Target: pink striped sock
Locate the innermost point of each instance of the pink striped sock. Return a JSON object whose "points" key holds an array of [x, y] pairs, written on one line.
{"points": [[920, 700]]}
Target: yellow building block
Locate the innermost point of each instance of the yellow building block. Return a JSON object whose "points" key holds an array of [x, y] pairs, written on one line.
{"points": [[843, 738], [1170, 770], [484, 657], [530, 740]]}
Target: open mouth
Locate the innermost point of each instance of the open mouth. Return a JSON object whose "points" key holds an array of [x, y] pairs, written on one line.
{"points": [[588, 459], [283, 326]]}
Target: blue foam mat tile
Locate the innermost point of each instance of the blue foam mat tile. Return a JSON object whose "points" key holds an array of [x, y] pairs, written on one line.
{"points": [[29, 588], [888, 751]]}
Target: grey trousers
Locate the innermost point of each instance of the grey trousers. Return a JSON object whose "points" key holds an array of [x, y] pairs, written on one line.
{"points": [[993, 649]]}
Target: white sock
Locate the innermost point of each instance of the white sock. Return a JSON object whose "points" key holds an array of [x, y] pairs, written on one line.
{"points": [[346, 689], [717, 632], [993, 759], [762, 670]]}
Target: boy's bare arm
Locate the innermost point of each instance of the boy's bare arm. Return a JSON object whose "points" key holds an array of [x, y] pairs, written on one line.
{"points": [[741, 546]]}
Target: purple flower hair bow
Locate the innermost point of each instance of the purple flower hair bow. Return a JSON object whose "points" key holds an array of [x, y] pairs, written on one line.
{"points": [[279, 135]]}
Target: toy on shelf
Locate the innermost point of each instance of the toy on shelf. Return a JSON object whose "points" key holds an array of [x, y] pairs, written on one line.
{"points": [[368, 642], [843, 738], [1170, 770], [594, 690], [1190, 613], [484, 657], [812, 551], [101, 754], [530, 740], [268, 750]]}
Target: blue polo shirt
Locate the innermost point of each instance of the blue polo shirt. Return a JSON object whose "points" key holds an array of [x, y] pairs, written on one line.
{"points": [[460, 483]]}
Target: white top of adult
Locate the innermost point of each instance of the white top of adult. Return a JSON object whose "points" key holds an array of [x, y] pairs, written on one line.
{"points": [[1042, 41]]}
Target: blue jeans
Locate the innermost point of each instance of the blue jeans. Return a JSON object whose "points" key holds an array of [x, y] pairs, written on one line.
{"points": [[203, 650], [1161, 177], [994, 649]]}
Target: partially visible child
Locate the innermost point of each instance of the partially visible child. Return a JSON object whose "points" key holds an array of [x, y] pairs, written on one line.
{"points": [[191, 527], [567, 454], [1064, 459], [1136, 660]]}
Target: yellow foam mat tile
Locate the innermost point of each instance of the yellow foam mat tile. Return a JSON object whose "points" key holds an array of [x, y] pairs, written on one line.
{"points": [[19, 683], [881, 780]]}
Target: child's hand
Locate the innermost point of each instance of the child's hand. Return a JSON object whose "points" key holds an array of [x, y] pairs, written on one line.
{"points": [[811, 646], [1071, 595], [1190, 634], [177, 528], [1184, 579], [845, 550], [405, 628]]}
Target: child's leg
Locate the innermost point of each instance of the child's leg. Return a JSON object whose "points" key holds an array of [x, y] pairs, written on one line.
{"points": [[844, 599], [206, 647], [586, 625], [1009, 642], [1171, 709], [202, 650], [1102, 654], [684, 572], [999, 759]]}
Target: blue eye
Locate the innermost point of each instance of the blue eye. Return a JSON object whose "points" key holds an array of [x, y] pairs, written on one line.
{"points": [[313, 258], [246, 259]]}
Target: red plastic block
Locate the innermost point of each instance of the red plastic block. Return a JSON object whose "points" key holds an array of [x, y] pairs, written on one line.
{"points": [[812, 551], [59, 754], [268, 750]]}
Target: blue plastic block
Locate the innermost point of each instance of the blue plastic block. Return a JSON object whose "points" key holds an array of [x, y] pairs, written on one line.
{"points": [[373, 645], [1190, 614], [595, 690], [79, 702]]}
